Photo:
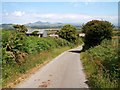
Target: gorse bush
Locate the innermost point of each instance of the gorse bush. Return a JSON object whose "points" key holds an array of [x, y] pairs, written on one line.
{"points": [[102, 65]]}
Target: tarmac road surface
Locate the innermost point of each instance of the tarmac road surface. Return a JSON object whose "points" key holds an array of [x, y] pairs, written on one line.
{"points": [[65, 71]]}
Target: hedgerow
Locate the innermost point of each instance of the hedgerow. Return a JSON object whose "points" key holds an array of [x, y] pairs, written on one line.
{"points": [[102, 65], [17, 47]]}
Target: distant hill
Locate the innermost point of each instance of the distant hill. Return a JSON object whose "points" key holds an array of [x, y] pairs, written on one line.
{"points": [[7, 26], [44, 25], [40, 25]]}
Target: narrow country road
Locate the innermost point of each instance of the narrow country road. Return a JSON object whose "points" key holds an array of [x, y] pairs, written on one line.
{"points": [[65, 71]]}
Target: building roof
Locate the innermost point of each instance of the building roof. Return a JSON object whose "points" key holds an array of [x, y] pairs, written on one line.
{"points": [[40, 31]]}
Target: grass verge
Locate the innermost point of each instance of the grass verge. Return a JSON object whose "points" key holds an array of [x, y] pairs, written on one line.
{"points": [[32, 64]]}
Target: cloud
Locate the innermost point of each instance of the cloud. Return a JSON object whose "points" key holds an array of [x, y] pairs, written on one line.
{"points": [[76, 3], [22, 17], [74, 17], [18, 13]]}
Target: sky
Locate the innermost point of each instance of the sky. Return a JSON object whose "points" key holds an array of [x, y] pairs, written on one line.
{"points": [[65, 12]]}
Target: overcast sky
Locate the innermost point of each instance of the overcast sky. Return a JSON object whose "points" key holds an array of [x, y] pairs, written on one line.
{"points": [[65, 12]]}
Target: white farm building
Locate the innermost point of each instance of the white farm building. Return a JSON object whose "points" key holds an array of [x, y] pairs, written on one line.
{"points": [[37, 32]]}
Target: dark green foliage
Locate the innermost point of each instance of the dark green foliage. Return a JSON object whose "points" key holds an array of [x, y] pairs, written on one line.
{"points": [[15, 42], [102, 65], [69, 33], [96, 31], [35, 32], [20, 28]]}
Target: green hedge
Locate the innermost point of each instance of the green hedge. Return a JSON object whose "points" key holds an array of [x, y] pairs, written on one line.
{"points": [[102, 65], [20, 42]]}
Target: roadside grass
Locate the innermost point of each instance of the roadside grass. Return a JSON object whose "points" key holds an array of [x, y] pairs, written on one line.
{"points": [[32, 64], [101, 65]]}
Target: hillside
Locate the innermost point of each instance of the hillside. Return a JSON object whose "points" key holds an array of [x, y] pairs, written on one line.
{"points": [[41, 25], [7, 26]]}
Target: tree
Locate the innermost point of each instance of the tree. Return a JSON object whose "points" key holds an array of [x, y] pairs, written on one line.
{"points": [[68, 32], [20, 28], [35, 33], [95, 31]]}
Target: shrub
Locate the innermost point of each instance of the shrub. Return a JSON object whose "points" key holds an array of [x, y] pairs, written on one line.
{"points": [[96, 31], [15, 43], [35, 33], [68, 32], [102, 65], [20, 28]]}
